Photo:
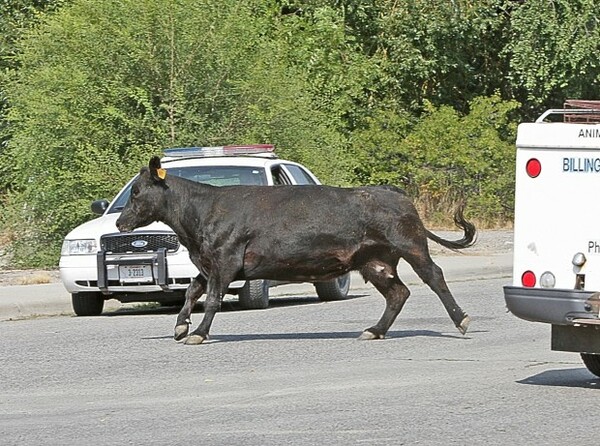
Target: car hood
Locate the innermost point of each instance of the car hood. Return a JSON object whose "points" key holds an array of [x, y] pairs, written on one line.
{"points": [[106, 224]]}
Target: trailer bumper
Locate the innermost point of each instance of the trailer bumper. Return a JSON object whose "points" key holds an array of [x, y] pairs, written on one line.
{"points": [[553, 306]]}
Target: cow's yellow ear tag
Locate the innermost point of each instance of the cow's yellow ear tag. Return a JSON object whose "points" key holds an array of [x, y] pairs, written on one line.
{"points": [[162, 173]]}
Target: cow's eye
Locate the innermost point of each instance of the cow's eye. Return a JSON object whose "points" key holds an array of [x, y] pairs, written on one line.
{"points": [[135, 191]]}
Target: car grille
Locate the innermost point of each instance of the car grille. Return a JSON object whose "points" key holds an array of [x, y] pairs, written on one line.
{"points": [[138, 242]]}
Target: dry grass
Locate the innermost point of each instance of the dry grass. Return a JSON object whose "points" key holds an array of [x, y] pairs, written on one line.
{"points": [[5, 238], [440, 216], [34, 279]]}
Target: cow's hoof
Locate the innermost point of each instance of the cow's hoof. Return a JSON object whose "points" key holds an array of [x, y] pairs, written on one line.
{"points": [[194, 340], [464, 325], [181, 332], [369, 336]]}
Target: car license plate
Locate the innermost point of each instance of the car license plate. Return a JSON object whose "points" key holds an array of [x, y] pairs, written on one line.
{"points": [[135, 273]]}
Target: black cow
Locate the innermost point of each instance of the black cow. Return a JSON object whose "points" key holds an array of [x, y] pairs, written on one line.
{"points": [[291, 233]]}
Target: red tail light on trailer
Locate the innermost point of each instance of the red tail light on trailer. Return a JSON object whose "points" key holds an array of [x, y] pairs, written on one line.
{"points": [[533, 167], [528, 279]]}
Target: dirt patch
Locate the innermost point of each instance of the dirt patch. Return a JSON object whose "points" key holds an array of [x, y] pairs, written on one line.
{"points": [[28, 277], [10, 276]]}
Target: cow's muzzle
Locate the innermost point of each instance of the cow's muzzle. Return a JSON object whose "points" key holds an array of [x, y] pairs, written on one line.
{"points": [[122, 227]]}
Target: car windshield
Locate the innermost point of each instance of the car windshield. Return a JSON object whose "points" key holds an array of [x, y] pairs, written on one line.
{"points": [[214, 175]]}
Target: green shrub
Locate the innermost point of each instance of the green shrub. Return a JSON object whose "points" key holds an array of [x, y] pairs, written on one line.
{"points": [[444, 158]]}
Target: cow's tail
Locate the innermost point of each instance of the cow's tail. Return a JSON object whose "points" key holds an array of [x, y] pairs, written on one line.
{"points": [[469, 237]]}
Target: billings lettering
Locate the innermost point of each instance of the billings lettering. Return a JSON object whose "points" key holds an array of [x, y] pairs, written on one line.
{"points": [[585, 165]]}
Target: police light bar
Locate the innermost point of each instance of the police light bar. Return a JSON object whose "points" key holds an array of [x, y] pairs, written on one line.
{"points": [[206, 152]]}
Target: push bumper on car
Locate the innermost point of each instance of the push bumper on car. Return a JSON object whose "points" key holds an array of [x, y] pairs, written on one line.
{"points": [[157, 263], [80, 274]]}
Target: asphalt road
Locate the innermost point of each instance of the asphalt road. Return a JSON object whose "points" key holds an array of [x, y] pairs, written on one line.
{"points": [[295, 374]]}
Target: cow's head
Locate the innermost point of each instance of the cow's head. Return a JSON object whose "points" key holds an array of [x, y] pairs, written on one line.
{"points": [[146, 203]]}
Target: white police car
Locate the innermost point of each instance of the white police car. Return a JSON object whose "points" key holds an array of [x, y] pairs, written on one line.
{"points": [[150, 265]]}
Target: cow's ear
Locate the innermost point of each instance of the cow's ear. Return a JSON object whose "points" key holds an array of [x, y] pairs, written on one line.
{"points": [[157, 172]]}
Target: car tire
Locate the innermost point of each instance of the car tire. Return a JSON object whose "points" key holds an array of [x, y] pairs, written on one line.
{"points": [[592, 362], [336, 289], [87, 304], [254, 295]]}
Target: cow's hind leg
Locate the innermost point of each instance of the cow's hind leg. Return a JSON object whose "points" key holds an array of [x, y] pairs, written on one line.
{"points": [[192, 294], [433, 276], [384, 277]]}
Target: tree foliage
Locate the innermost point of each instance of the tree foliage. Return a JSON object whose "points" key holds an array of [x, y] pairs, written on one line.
{"points": [[16, 17], [552, 47], [104, 84], [446, 157], [439, 51]]}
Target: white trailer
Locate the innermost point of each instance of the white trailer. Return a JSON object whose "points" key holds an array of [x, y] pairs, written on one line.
{"points": [[556, 270]]}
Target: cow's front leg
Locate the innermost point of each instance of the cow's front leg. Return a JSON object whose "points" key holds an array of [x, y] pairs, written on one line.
{"points": [[192, 294], [214, 294]]}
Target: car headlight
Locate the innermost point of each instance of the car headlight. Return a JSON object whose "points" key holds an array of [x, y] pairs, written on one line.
{"points": [[78, 247]]}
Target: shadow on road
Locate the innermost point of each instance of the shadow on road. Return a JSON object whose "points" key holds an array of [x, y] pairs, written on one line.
{"points": [[226, 306], [218, 338], [325, 336], [581, 378]]}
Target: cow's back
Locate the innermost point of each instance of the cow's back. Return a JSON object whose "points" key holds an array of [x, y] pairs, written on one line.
{"points": [[305, 207]]}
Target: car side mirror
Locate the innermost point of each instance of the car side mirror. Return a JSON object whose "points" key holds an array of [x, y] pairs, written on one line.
{"points": [[99, 206]]}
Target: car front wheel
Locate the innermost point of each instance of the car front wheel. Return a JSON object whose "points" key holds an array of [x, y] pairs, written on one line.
{"points": [[87, 304], [336, 289]]}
